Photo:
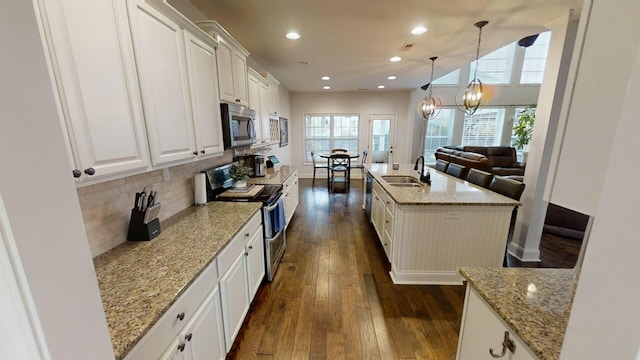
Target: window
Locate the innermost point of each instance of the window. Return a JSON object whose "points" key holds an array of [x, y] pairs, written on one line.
{"points": [[495, 68], [484, 128], [324, 132], [452, 78], [515, 122], [439, 130], [535, 59]]}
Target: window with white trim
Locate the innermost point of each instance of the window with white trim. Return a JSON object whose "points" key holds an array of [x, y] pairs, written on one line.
{"points": [[324, 132], [452, 78], [535, 59], [484, 128], [495, 67], [439, 131]]}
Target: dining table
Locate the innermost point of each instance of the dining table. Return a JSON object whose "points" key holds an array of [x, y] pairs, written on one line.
{"points": [[328, 157]]}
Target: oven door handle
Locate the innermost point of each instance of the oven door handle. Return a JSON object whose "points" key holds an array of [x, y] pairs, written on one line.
{"points": [[275, 205]]}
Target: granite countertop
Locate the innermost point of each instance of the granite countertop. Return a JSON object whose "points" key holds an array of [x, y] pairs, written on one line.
{"points": [[139, 281], [275, 176], [444, 189], [538, 314]]}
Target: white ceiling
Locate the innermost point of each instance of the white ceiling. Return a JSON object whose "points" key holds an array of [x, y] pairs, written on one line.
{"points": [[352, 41]]}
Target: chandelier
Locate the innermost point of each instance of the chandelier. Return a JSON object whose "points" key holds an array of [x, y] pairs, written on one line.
{"points": [[472, 97], [429, 107]]}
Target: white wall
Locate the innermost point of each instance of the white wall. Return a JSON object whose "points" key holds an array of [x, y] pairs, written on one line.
{"points": [[604, 318], [362, 103], [604, 70], [40, 196]]}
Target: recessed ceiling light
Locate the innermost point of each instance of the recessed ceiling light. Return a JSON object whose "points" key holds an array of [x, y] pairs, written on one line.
{"points": [[325, 78], [293, 35], [391, 77], [395, 58], [380, 86], [419, 30], [326, 87], [304, 62]]}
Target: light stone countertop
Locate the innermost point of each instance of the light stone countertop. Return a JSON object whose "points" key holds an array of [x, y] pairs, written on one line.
{"points": [[538, 317], [444, 189], [139, 281], [274, 176]]}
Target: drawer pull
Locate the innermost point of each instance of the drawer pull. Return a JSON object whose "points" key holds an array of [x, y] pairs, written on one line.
{"points": [[180, 316], [181, 347], [507, 343], [188, 336]]}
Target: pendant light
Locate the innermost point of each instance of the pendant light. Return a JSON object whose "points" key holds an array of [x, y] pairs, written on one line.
{"points": [[429, 107], [472, 97]]}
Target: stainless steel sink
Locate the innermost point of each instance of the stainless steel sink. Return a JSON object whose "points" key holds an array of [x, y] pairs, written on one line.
{"points": [[402, 181], [395, 179], [405, 184]]}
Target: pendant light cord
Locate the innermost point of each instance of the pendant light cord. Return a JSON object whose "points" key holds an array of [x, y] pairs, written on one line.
{"points": [[475, 71]]}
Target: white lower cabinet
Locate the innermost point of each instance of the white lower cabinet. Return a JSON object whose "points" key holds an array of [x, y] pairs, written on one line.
{"points": [[235, 298], [203, 336], [383, 210], [291, 190], [256, 268], [483, 332]]}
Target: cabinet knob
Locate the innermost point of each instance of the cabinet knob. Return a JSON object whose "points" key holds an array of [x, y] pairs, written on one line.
{"points": [[188, 336], [246, 235], [181, 347], [76, 173], [90, 171], [195, 153], [246, 254], [203, 151], [180, 316], [250, 247], [237, 100]]}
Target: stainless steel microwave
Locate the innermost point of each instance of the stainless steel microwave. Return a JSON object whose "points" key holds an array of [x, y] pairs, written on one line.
{"points": [[238, 125]]}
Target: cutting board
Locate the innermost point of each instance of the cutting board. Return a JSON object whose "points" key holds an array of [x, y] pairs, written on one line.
{"points": [[238, 194]]}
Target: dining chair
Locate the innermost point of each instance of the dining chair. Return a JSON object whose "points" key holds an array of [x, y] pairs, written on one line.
{"points": [[457, 170], [360, 166], [317, 166], [479, 177], [340, 169], [442, 165], [512, 189]]}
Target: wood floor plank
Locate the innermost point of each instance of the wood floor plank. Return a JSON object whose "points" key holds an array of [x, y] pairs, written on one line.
{"points": [[335, 346], [380, 327]]}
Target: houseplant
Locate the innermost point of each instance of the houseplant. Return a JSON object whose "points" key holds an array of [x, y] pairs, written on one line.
{"points": [[240, 172], [523, 129]]}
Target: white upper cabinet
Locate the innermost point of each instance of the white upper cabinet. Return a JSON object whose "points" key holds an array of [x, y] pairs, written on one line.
{"points": [[161, 58], [205, 102], [274, 93], [232, 64], [259, 101], [94, 68]]}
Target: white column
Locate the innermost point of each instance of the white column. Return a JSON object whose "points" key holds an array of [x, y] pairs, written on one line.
{"points": [[530, 221]]}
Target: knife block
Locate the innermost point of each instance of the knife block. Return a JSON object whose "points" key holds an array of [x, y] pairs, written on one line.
{"points": [[139, 230]]}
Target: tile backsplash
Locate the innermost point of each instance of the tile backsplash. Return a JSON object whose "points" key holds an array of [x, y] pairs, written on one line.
{"points": [[106, 207]]}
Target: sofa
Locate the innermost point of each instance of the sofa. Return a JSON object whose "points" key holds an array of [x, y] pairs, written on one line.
{"points": [[502, 159]]}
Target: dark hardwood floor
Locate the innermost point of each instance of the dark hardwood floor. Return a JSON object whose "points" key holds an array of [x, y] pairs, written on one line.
{"points": [[332, 297]]}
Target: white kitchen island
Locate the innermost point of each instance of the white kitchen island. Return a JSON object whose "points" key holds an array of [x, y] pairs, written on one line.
{"points": [[429, 231]]}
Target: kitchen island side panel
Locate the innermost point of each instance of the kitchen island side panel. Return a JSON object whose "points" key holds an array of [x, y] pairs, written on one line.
{"points": [[431, 242]]}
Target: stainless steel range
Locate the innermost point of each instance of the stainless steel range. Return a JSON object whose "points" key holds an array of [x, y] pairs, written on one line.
{"points": [[273, 215]]}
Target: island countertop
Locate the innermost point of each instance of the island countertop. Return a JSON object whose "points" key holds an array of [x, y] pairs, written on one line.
{"points": [[444, 189], [274, 176], [139, 281], [538, 314]]}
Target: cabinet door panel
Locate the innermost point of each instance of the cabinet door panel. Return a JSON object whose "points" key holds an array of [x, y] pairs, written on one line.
{"points": [[240, 78], [255, 104], [255, 262], [264, 112], [224, 55], [204, 337], [160, 50], [97, 83], [203, 81], [235, 299]]}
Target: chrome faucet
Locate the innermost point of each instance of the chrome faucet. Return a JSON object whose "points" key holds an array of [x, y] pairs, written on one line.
{"points": [[423, 178]]}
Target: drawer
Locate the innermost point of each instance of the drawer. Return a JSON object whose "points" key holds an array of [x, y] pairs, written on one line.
{"points": [[176, 317], [290, 180], [234, 247]]}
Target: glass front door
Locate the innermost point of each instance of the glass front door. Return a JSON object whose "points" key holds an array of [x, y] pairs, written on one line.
{"points": [[381, 139]]}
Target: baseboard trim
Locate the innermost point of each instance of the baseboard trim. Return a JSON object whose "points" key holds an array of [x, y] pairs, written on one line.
{"points": [[522, 254], [426, 278]]}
